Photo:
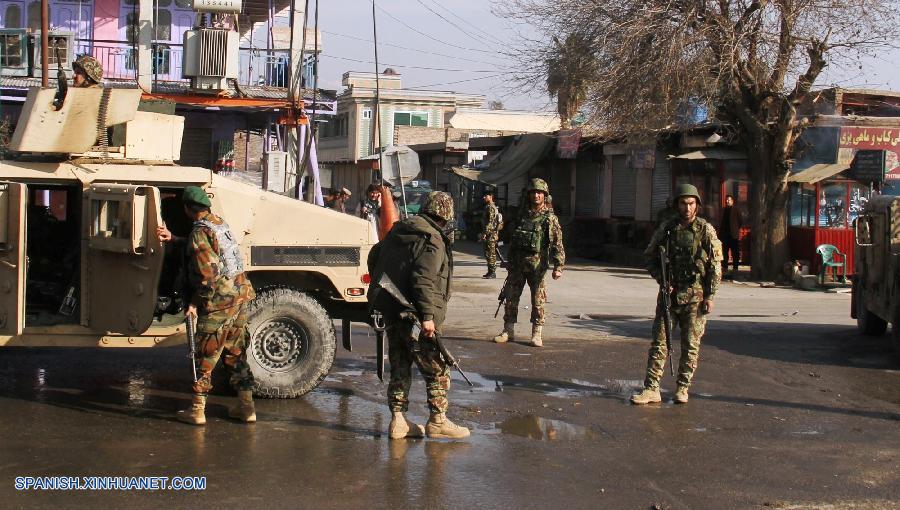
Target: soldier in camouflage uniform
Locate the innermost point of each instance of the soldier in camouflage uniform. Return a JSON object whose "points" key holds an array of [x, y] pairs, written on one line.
{"points": [[220, 294], [417, 257], [694, 256], [536, 243], [493, 224], [87, 72]]}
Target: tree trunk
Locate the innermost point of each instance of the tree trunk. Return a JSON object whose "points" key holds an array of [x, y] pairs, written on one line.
{"points": [[769, 248]]}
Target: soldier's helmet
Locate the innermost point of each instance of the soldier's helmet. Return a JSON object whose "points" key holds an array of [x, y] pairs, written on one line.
{"points": [[91, 67], [440, 205], [687, 190], [538, 185]]}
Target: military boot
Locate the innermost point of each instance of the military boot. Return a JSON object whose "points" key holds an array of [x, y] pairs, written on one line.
{"points": [[681, 395], [507, 335], [440, 427], [401, 427], [196, 415], [648, 396], [244, 410], [490, 274], [536, 339]]}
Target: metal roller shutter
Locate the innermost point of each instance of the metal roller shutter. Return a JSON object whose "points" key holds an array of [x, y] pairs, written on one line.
{"points": [[662, 184], [560, 187], [624, 186], [587, 189]]}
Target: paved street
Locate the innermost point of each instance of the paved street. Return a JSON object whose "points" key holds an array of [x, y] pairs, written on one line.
{"points": [[791, 408]]}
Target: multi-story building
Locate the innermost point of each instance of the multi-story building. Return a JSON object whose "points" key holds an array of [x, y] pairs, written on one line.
{"points": [[237, 124]]}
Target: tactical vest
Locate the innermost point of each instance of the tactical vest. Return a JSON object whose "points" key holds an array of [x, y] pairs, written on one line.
{"points": [[687, 257], [530, 233], [230, 262]]}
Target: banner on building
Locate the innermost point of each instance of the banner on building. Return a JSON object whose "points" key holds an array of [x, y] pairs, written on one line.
{"points": [[567, 144], [853, 139]]}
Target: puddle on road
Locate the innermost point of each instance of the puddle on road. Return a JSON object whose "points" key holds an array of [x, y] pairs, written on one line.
{"points": [[573, 388], [541, 429]]}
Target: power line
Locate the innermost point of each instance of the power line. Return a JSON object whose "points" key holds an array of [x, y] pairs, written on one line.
{"points": [[412, 67], [455, 82], [432, 37], [410, 49], [461, 29], [477, 29]]}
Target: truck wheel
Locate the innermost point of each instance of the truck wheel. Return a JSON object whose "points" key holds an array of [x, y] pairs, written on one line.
{"points": [[292, 343], [867, 322]]}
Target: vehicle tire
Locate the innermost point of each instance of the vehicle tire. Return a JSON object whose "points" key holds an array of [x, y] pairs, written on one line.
{"points": [[292, 343], [867, 322]]}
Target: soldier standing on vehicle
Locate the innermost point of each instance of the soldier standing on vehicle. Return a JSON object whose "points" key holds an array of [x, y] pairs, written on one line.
{"points": [[417, 256], [220, 294], [693, 261], [493, 224], [536, 243]]}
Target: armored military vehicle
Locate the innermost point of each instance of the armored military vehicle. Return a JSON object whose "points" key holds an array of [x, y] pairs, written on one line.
{"points": [[876, 284], [81, 265]]}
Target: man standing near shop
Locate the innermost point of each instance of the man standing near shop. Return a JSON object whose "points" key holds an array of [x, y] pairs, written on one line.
{"points": [[536, 244], [729, 233], [219, 295], [492, 222], [416, 257], [693, 255]]}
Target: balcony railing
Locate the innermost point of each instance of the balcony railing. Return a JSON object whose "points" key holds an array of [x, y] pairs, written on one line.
{"points": [[259, 67]]}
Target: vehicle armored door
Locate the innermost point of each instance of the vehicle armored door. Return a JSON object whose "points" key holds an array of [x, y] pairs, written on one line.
{"points": [[13, 196], [124, 257]]}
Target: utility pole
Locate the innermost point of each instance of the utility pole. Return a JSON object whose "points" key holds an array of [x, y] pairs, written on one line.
{"points": [[295, 146], [145, 44]]}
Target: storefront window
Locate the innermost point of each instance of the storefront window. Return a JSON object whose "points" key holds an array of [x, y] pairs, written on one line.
{"points": [[803, 206], [859, 195], [832, 206]]}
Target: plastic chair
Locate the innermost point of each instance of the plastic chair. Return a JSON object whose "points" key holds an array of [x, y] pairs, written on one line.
{"points": [[828, 253]]}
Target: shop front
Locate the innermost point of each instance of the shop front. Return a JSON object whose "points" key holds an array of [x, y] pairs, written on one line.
{"points": [[823, 204]]}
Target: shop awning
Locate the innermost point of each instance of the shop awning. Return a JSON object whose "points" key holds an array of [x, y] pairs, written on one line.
{"points": [[818, 173], [711, 153], [514, 160]]}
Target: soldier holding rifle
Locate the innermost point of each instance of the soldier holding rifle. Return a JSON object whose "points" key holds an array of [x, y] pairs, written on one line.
{"points": [[685, 257], [411, 270]]}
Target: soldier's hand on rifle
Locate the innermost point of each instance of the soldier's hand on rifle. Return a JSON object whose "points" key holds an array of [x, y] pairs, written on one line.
{"points": [[557, 274], [191, 312], [706, 307], [428, 329]]}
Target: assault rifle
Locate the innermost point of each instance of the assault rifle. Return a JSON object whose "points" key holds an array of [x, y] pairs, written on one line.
{"points": [[664, 285], [192, 347], [387, 285], [501, 298]]}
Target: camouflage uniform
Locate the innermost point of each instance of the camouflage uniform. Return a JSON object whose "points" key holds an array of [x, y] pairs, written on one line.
{"points": [[536, 243], [92, 69], [416, 255], [491, 233], [221, 310], [694, 256]]}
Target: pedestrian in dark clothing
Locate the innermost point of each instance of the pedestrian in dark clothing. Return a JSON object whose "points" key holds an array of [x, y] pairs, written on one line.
{"points": [[729, 233]]}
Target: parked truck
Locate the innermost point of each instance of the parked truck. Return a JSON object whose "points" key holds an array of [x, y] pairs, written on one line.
{"points": [[81, 265], [876, 285]]}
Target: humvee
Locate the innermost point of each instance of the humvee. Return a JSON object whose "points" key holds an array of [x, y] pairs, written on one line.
{"points": [[81, 265], [876, 285]]}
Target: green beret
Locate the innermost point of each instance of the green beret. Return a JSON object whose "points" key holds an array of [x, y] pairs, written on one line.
{"points": [[195, 195]]}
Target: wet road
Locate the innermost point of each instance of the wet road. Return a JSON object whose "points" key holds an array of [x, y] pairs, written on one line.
{"points": [[790, 408]]}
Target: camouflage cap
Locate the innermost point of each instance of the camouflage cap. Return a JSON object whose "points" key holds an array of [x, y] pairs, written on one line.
{"points": [[195, 195], [538, 185], [439, 204], [687, 190], [91, 67]]}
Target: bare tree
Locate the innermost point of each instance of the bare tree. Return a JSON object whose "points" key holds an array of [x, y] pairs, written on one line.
{"points": [[753, 62]]}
